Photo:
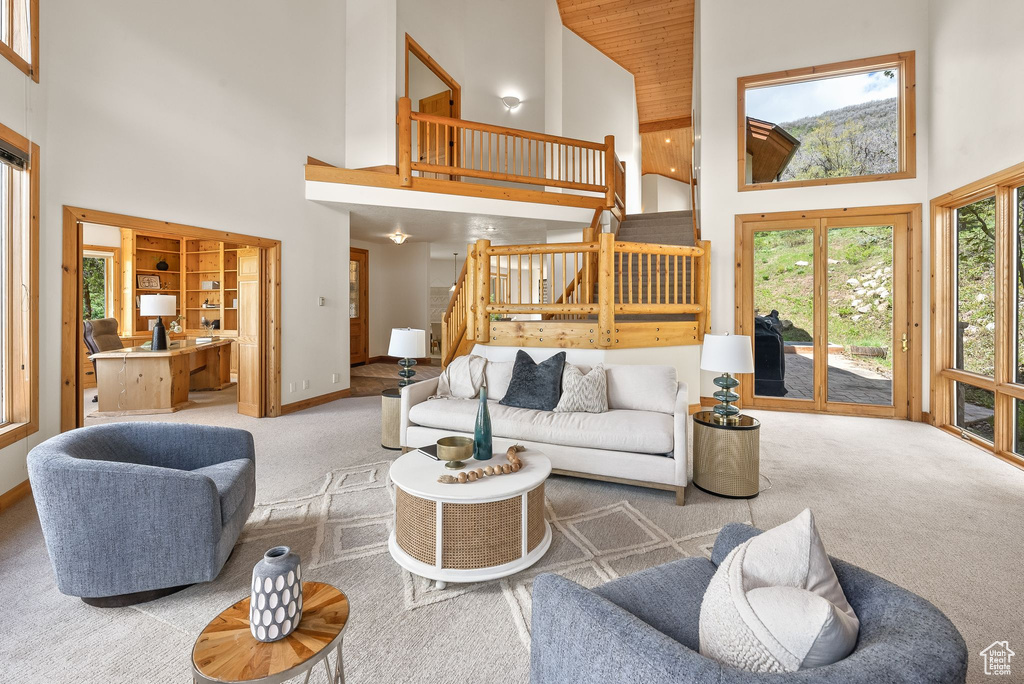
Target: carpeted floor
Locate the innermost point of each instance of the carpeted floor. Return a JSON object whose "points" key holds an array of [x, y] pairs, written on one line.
{"points": [[906, 501]]}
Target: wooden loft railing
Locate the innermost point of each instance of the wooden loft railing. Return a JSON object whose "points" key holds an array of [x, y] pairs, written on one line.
{"points": [[571, 295], [446, 149]]}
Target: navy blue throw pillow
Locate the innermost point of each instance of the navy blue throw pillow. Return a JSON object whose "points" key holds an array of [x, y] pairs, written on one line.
{"points": [[535, 385]]}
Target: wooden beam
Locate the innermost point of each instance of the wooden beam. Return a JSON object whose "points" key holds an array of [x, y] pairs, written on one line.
{"points": [[666, 124]]}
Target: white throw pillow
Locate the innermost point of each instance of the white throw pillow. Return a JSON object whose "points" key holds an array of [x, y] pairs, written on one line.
{"points": [[775, 604], [498, 374], [642, 388], [583, 393]]}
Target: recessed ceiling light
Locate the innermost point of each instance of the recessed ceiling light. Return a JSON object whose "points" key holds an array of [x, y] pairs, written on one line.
{"points": [[398, 237], [490, 229], [668, 140], [673, 169]]}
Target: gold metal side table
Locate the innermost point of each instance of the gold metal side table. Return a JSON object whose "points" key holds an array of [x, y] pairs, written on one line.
{"points": [[726, 456], [391, 419]]}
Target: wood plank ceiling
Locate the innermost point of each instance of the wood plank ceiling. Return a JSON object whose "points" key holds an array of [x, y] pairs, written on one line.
{"points": [[653, 40]]}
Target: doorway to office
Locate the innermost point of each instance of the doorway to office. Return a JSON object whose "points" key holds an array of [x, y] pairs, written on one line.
{"points": [[216, 294], [831, 300]]}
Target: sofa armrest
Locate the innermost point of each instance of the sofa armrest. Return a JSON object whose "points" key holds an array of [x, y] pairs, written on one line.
{"points": [[680, 439], [413, 394], [729, 537], [578, 637]]}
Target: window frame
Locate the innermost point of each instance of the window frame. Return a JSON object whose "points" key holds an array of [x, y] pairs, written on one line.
{"points": [[30, 68], [943, 318], [903, 61], [23, 388], [112, 277]]}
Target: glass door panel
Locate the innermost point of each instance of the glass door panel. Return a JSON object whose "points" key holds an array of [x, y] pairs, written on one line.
{"points": [[784, 313], [974, 336], [1018, 288], [859, 314], [974, 411]]}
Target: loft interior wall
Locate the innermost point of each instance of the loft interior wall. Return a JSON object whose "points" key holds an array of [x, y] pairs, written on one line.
{"points": [[369, 43], [975, 107], [732, 46], [156, 115], [399, 289]]}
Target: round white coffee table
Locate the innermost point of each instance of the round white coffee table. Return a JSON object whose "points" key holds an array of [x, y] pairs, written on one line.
{"points": [[469, 532]]}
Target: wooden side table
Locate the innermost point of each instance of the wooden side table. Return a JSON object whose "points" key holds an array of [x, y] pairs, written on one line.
{"points": [[726, 456], [390, 419], [226, 651]]}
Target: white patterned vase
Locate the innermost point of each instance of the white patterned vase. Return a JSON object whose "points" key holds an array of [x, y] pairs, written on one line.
{"points": [[276, 604]]}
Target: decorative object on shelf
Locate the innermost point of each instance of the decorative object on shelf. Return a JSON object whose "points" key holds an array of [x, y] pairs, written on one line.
{"points": [[407, 344], [148, 281], [162, 265], [514, 465], [209, 285], [159, 306], [208, 305], [482, 442], [455, 451], [727, 354], [398, 237], [176, 325], [275, 607]]}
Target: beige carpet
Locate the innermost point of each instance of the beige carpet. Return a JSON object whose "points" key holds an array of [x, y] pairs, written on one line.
{"points": [[903, 500]]}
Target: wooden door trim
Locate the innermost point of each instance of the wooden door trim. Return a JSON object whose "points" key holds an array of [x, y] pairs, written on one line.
{"points": [[415, 49], [364, 303], [71, 409], [744, 293]]}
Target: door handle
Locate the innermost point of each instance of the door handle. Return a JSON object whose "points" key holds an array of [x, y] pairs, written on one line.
{"points": [[904, 341]]}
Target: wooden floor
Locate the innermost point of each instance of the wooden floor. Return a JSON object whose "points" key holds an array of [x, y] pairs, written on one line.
{"points": [[372, 379]]}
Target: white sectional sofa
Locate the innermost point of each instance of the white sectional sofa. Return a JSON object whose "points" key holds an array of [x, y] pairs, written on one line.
{"points": [[641, 440]]}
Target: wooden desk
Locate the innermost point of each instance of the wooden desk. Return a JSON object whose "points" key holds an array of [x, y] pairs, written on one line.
{"points": [[138, 381]]}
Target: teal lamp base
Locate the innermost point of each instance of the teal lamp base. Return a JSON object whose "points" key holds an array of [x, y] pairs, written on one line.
{"points": [[725, 412], [407, 372]]}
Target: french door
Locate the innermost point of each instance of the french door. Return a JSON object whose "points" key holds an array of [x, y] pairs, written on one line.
{"points": [[825, 299]]}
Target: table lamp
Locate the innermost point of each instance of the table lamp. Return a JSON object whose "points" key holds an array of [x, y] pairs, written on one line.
{"points": [[158, 305], [727, 354], [407, 344]]}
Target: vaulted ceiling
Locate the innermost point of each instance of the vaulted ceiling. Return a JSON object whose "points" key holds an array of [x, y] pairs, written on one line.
{"points": [[653, 40]]}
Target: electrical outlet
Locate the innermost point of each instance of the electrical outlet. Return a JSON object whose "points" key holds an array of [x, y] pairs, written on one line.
{"points": [[335, 377], [320, 301], [291, 386], [305, 384]]}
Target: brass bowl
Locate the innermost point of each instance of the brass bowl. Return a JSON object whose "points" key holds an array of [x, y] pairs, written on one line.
{"points": [[455, 450]]}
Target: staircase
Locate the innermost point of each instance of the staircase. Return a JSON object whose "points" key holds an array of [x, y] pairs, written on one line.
{"points": [[665, 228]]}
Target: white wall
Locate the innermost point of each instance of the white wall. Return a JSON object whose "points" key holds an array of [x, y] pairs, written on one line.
{"points": [[732, 46], [399, 289], [975, 97], [664, 194], [155, 114], [101, 236], [369, 43]]}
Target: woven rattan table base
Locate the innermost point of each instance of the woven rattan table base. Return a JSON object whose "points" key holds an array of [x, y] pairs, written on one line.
{"points": [[473, 535]]}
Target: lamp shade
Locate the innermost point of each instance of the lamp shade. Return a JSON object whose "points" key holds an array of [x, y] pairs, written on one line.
{"points": [[727, 354], [158, 305], [408, 343]]}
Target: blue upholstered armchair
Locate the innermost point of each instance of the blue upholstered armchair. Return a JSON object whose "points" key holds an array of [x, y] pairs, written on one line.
{"points": [[644, 628], [133, 511]]}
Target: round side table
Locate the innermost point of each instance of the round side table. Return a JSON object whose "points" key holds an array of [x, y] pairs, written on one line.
{"points": [[726, 456], [390, 419], [469, 532], [226, 651]]}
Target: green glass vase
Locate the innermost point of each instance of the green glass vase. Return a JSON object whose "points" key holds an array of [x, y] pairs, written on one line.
{"points": [[483, 447]]}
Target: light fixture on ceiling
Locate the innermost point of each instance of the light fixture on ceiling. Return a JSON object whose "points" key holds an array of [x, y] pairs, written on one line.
{"points": [[668, 140], [490, 229], [455, 269], [673, 169], [511, 102], [398, 237]]}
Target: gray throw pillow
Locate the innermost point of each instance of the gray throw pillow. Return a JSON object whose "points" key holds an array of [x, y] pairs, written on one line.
{"points": [[583, 393], [535, 385]]}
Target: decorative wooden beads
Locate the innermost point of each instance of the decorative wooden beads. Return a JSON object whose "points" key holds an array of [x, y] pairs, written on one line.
{"points": [[514, 465]]}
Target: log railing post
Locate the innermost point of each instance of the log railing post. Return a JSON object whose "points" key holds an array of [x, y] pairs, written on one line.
{"points": [[405, 141], [609, 171], [606, 290], [483, 291], [704, 290], [470, 292]]}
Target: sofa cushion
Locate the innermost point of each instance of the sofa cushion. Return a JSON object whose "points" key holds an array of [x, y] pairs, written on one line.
{"points": [[586, 392], [642, 388], [232, 479], [535, 385], [642, 432], [776, 605]]}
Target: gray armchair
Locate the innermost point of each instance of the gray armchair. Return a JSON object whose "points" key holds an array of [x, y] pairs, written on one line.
{"points": [[644, 628], [134, 511]]}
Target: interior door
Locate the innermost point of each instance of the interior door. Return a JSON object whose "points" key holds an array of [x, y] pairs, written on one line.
{"points": [[826, 302], [436, 145], [250, 358], [358, 310]]}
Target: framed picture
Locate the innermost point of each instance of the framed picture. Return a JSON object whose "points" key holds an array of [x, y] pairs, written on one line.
{"points": [[148, 282]]}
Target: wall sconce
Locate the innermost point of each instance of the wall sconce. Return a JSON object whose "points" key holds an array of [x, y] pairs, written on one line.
{"points": [[511, 102], [398, 237]]}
